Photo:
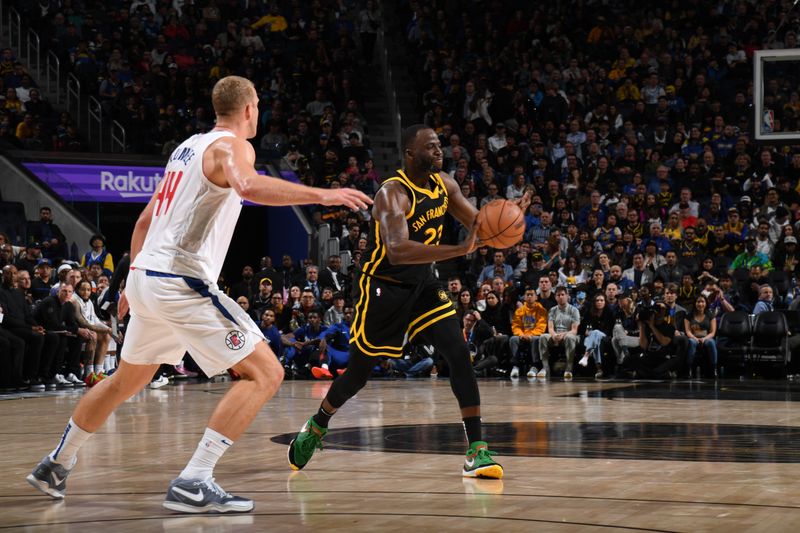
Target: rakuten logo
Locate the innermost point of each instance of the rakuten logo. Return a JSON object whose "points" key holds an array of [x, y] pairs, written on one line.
{"points": [[130, 185]]}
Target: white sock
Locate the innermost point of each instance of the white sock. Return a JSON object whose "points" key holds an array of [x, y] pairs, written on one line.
{"points": [[66, 453], [208, 452]]}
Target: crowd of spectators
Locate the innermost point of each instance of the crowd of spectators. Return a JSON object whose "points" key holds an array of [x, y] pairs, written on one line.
{"points": [[630, 125], [152, 65], [27, 119], [54, 333]]}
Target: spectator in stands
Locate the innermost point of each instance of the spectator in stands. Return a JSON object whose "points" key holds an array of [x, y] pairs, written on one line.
{"points": [[271, 333], [545, 294], [25, 129], [701, 328], [267, 270], [41, 282], [57, 315], [676, 312], [337, 339], [665, 348], [244, 303], [40, 346], [497, 269], [309, 346], [264, 297], [24, 285], [289, 273], [6, 254], [72, 276], [12, 103], [750, 257], [28, 260], [40, 109], [335, 313], [98, 255], [331, 276], [786, 255], [765, 298], [312, 281], [248, 287], [529, 323], [671, 272], [483, 343], [100, 334], [49, 235], [562, 330], [350, 241], [595, 330], [465, 303], [625, 334]]}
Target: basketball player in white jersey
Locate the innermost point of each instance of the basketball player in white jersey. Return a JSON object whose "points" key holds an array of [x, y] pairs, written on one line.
{"points": [[178, 246]]}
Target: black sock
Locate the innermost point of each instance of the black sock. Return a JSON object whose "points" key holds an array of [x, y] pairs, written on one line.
{"points": [[472, 426], [322, 417]]}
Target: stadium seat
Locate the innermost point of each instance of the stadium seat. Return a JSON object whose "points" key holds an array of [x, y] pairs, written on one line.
{"points": [[770, 337], [735, 334]]}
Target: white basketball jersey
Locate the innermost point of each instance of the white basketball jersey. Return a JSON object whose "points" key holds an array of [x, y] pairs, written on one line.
{"points": [[193, 219]]}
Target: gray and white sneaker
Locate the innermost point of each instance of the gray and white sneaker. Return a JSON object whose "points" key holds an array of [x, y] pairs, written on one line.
{"points": [[50, 478], [203, 496]]}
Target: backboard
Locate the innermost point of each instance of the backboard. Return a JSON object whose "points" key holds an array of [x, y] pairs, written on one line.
{"points": [[776, 95]]}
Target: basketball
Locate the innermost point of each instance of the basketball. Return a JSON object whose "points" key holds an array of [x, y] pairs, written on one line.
{"points": [[502, 224]]}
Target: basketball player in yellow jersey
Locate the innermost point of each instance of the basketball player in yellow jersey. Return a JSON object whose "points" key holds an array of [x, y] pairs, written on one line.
{"points": [[398, 297]]}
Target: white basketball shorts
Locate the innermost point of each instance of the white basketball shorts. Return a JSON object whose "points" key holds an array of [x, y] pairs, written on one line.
{"points": [[172, 314]]}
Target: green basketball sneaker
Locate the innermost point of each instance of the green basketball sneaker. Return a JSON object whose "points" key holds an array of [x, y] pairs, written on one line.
{"points": [[305, 444], [479, 462]]}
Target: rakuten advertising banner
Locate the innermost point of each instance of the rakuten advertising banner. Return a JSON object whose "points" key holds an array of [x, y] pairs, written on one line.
{"points": [[104, 183], [99, 183]]}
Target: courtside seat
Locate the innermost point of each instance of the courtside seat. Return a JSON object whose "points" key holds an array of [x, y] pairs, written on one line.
{"points": [[770, 337]]}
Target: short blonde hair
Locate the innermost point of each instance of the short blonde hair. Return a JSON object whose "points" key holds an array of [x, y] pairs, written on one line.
{"points": [[231, 94]]}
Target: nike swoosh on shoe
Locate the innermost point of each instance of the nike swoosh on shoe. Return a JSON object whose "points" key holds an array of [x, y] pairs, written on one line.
{"points": [[191, 495]]}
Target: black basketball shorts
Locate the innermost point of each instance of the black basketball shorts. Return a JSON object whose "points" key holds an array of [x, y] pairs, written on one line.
{"points": [[388, 314]]}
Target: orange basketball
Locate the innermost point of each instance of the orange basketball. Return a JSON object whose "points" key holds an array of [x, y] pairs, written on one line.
{"points": [[502, 224]]}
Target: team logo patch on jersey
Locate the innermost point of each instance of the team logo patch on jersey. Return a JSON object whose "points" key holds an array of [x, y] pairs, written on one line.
{"points": [[234, 340], [443, 295]]}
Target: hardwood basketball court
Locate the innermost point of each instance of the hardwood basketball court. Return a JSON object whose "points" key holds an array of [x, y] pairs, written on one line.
{"points": [[580, 456]]}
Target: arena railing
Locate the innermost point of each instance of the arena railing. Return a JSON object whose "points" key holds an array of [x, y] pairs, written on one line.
{"points": [[118, 137], [391, 92], [53, 76], [94, 118], [26, 43], [74, 98]]}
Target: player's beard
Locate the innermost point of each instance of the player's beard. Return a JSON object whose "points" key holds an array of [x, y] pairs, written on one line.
{"points": [[428, 166], [435, 167]]}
